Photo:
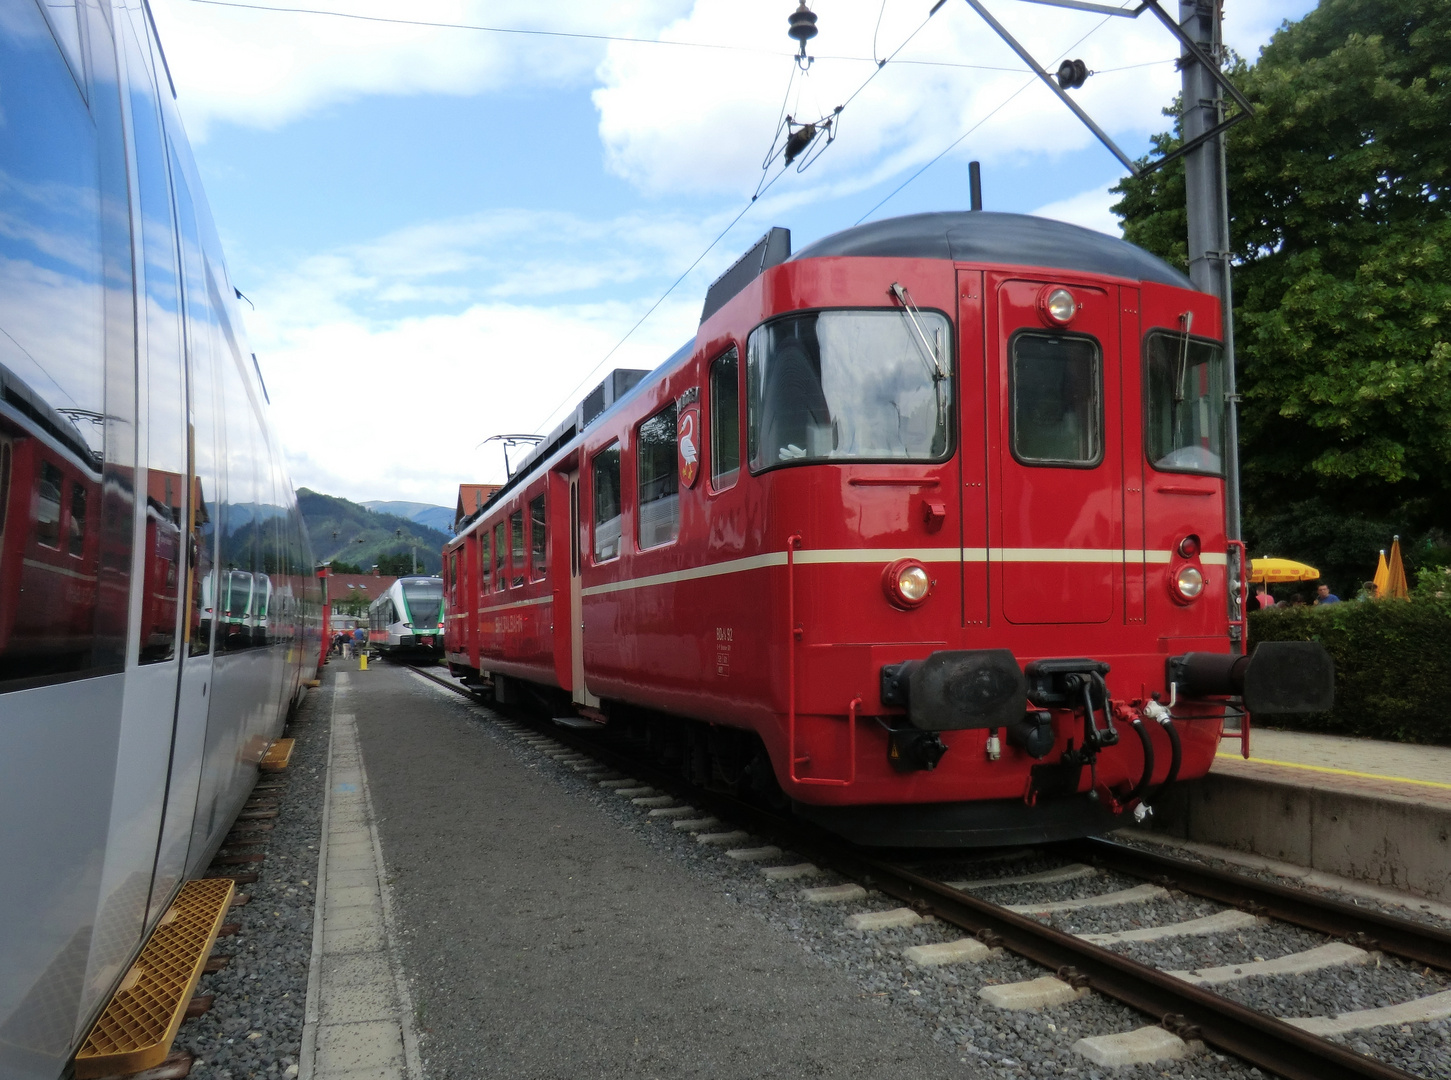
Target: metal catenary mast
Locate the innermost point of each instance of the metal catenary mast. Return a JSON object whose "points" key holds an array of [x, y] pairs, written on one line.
{"points": [[1203, 127]]}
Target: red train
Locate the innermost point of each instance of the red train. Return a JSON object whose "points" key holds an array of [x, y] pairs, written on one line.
{"points": [[924, 532]]}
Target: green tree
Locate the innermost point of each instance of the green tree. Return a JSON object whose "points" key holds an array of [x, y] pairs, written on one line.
{"points": [[1341, 226], [341, 567], [396, 564]]}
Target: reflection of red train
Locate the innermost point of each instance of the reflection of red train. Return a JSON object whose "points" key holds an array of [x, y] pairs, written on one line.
{"points": [[50, 549], [942, 558]]}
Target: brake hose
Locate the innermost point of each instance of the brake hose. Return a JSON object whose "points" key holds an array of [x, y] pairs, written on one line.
{"points": [[1148, 773]]}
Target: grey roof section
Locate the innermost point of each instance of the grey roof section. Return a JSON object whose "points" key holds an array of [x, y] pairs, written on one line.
{"points": [[1013, 239]]}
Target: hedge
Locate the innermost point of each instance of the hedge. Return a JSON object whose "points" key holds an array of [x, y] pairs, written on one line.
{"points": [[1392, 666]]}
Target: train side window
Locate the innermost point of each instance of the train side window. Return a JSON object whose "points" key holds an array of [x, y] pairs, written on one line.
{"points": [[6, 456], [203, 426], [486, 567], [1056, 387], [453, 578], [658, 469], [725, 420], [516, 533], [164, 391], [605, 483], [77, 525], [501, 557], [538, 539], [47, 506]]}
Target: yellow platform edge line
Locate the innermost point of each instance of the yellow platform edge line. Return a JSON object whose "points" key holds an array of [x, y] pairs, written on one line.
{"points": [[124, 1021], [278, 756], [1341, 772]]}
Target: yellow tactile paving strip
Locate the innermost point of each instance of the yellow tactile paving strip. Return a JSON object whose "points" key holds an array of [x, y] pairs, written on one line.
{"points": [[277, 756], [137, 1028]]}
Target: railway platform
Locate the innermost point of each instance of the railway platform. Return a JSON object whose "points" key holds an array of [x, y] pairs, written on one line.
{"points": [[1357, 808], [519, 933]]}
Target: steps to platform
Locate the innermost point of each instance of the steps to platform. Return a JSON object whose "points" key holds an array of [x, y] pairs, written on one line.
{"points": [[137, 1028]]}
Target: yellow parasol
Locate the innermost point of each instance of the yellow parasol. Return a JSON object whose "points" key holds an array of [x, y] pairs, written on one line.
{"points": [[1268, 570], [1382, 575], [1395, 586]]}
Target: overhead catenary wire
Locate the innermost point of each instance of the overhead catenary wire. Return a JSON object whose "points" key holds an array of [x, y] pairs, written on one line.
{"points": [[996, 109], [761, 189], [579, 35]]}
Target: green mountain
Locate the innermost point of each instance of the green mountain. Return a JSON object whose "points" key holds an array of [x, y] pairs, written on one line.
{"points": [[346, 532]]}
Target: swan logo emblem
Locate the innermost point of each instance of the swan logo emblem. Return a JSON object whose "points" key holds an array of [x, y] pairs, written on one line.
{"points": [[687, 444]]}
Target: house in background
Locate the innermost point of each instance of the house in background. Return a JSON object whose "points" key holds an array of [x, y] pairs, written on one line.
{"points": [[350, 594], [471, 499]]}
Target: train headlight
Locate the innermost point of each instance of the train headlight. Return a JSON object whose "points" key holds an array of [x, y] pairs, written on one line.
{"points": [[906, 583], [1057, 306], [1188, 583]]}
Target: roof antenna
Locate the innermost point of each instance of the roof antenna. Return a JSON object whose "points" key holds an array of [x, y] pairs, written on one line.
{"points": [[974, 184]]}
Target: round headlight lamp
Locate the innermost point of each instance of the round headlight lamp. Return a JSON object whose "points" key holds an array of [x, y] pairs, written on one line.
{"points": [[1188, 583], [906, 583], [1057, 306]]}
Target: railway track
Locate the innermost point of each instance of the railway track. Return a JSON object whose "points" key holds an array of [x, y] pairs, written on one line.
{"points": [[1183, 1004]]}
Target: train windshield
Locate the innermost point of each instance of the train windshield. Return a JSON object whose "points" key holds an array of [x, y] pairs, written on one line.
{"points": [[1186, 407], [425, 601], [849, 385]]}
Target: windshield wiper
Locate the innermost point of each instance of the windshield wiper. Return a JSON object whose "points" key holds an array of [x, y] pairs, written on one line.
{"points": [[1182, 375], [929, 351]]}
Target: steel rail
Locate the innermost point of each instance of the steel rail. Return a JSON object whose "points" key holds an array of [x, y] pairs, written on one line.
{"points": [[1188, 1011], [1369, 929]]}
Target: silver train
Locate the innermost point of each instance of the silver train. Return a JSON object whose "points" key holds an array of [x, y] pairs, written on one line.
{"points": [[407, 620], [158, 611]]}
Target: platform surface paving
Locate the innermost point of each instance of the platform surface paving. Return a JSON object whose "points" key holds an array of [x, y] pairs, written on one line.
{"points": [[1363, 766], [543, 938]]}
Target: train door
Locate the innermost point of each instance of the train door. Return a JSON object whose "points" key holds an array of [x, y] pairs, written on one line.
{"points": [[203, 594], [577, 528], [138, 804], [976, 433], [1057, 528]]}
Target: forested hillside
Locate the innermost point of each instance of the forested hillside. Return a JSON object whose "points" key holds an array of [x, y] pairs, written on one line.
{"points": [[352, 536]]}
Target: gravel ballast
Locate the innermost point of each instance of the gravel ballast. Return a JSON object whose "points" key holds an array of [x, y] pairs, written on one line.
{"points": [[254, 1027]]}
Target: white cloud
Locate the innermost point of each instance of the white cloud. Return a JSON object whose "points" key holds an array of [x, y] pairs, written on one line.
{"points": [[502, 353], [1088, 208], [265, 68], [672, 122]]}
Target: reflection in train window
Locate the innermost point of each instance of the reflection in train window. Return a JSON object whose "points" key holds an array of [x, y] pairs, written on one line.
{"points": [[77, 528], [47, 506], [65, 504], [516, 531], [485, 566], [501, 557], [605, 479], [537, 538], [5, 456]]}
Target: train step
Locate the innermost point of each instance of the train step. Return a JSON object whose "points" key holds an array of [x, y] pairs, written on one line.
{"points": [[137, 1028], [278, 755]]}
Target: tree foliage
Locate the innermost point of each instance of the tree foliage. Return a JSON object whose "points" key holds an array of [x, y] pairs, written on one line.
{"points": [[1341, 231]]}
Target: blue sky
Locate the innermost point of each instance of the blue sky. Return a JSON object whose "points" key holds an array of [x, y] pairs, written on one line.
{"points": [[446, 230]]}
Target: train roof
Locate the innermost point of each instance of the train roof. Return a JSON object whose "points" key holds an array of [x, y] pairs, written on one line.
{"points": [[957, 235], [1012, 239]]}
